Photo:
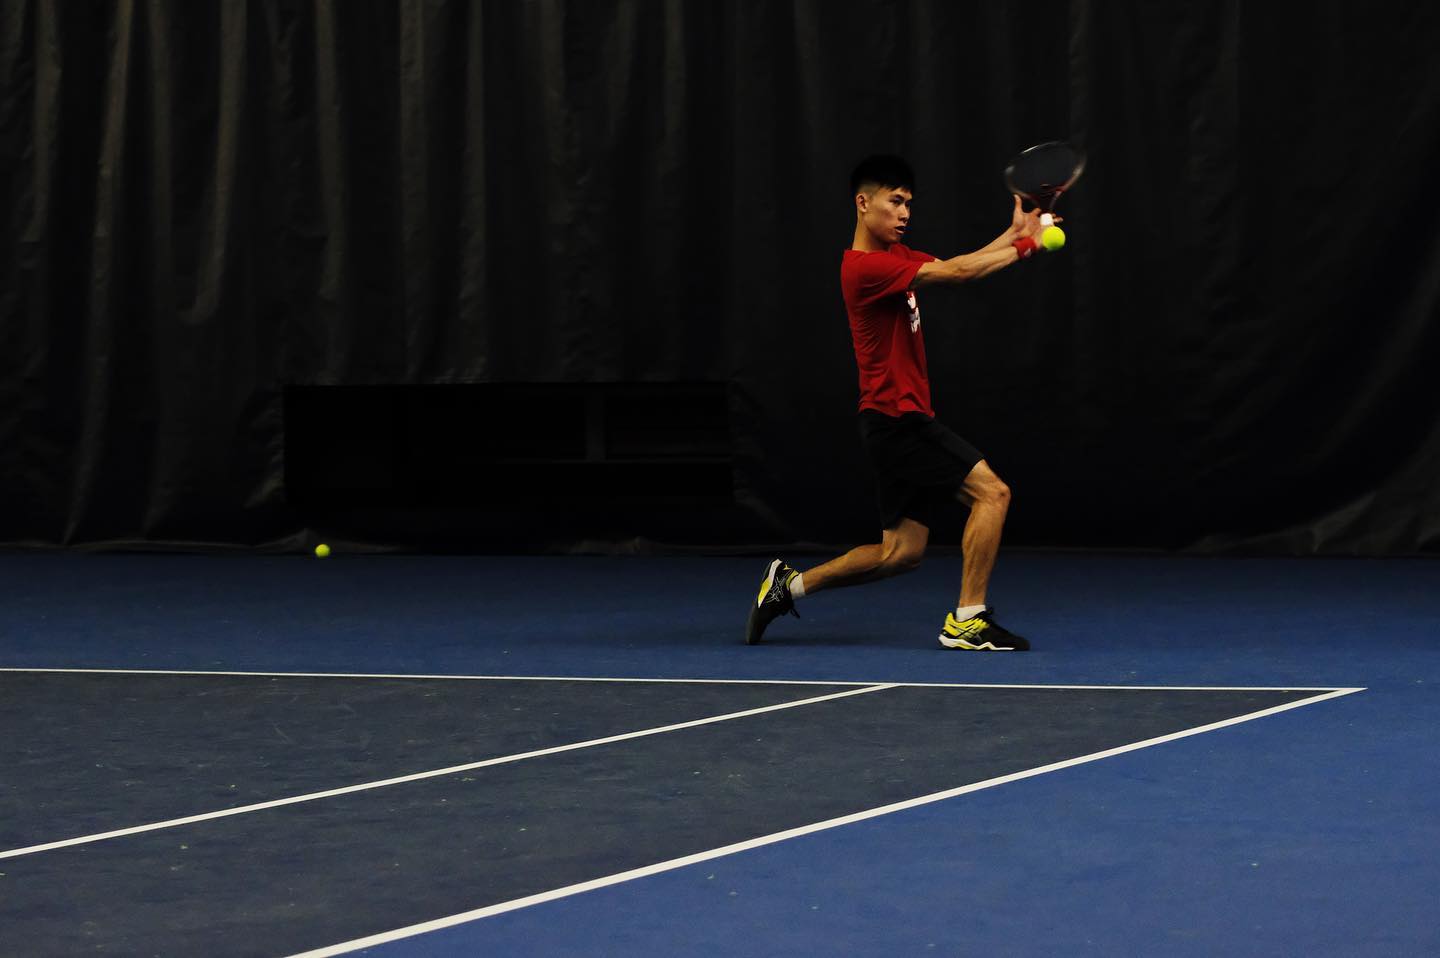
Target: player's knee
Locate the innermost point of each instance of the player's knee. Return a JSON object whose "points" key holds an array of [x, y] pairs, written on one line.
{"points": [[996, 493], [901, 561]]}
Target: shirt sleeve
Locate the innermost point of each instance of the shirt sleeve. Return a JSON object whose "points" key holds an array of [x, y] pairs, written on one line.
{"points": [[885, 274]]}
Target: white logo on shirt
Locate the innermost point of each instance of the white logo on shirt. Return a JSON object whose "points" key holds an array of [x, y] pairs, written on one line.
{"points": [[914, 310]]}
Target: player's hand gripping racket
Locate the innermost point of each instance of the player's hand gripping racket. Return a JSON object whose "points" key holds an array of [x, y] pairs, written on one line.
{"points": [[1041, 174]]}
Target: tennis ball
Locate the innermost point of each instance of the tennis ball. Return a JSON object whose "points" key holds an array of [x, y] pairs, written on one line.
{"points": [[1052, 238], [322, 550]]}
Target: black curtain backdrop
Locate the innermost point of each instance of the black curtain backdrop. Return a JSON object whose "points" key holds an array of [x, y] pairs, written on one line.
{"points": [[205, 202]]}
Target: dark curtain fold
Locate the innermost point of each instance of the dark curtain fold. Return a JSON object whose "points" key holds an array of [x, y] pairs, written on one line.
{"points": [[205, 202]]}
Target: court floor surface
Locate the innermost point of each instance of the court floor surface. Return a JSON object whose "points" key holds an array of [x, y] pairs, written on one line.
{"points": [[188, 802]]}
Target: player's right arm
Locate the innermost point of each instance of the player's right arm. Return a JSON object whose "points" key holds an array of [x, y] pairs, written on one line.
{"points": [[998, 254], [966, 268]]}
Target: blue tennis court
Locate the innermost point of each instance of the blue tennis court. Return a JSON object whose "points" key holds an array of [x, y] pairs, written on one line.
{"points": [[443, 756]]}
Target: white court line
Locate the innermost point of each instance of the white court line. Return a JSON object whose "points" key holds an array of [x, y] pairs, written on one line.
{"points": [[592, 678], [434, 773], [463, 917]]}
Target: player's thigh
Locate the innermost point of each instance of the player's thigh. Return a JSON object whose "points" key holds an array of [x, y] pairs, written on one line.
{"points": [[982, 484]]}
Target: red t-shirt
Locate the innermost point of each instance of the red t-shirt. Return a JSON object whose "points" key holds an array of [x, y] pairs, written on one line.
{"points": [[885, 327]]}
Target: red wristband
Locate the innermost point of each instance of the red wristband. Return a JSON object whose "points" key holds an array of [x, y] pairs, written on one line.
{"points": [[1026, 247]]}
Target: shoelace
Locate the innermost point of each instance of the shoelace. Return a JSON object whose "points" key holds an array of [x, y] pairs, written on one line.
{"points": [[965, 630], [781, 593]]}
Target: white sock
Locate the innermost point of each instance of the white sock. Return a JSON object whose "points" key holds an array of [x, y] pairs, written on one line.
{"points": [[963, 612], [797, 586]]}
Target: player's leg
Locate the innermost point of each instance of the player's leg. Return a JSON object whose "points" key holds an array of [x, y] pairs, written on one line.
{"points": [[899, 550], [893, 447], [972, 625], [989, 500]]}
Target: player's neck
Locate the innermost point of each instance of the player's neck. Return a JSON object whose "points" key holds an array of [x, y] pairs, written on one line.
{"points": [[866, 242]]}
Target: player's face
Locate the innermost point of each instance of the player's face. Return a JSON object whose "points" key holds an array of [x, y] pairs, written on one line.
{"points": [[886, 213]]}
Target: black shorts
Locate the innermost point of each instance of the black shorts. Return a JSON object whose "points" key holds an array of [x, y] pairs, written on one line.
{"points": [[919, 464]]}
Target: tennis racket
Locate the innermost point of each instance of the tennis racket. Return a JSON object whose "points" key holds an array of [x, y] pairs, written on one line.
{"points": [[1043, 173]]}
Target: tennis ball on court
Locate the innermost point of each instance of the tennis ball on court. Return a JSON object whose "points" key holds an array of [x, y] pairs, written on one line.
{"points": [[1052, 238], [322, 550]]}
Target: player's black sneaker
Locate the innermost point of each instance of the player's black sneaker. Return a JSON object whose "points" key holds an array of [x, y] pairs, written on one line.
{"points": [[980, 634], [774, 600]]}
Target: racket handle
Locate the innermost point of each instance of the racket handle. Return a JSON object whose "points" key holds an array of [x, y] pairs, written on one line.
{"points": [[1047, 220]]}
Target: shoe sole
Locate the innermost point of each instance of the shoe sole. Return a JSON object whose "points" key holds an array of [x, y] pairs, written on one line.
{"points": [[752, 636], [951, 643]]}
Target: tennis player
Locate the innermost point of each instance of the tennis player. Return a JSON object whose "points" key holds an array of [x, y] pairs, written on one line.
{"points": [[918, 462]]}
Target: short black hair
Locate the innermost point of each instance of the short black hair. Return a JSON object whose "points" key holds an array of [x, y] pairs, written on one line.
{"points": [[884, 170]]}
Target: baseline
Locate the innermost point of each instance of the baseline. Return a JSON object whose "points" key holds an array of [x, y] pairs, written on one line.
{"points": [[692, 681]]}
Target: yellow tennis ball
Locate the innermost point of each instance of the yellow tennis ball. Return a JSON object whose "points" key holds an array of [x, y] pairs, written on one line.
{"points": [[1052, 238], [322, 550]]}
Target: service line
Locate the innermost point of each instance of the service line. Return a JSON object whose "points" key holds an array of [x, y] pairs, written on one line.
{"points": [[433, 773]]}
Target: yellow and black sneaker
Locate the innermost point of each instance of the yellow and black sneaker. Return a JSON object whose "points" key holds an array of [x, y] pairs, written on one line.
{"points": [[980, 634], [774, 600]]}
